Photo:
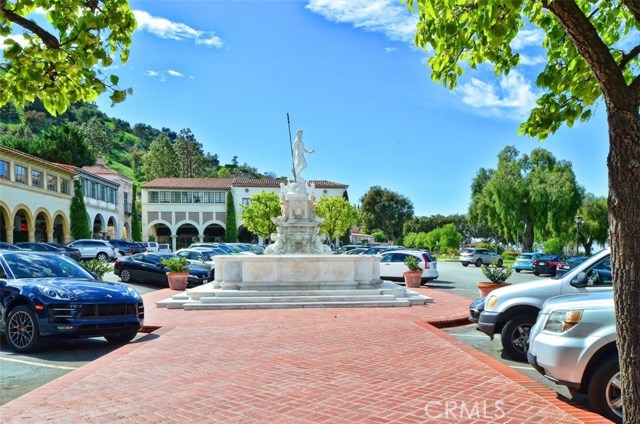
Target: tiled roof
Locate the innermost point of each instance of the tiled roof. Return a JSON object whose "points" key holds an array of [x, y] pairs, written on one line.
{"points": [[227, 183], [99, 169], [68, 168]]}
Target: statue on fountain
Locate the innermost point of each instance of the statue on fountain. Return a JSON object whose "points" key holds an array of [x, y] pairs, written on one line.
{"points": [[297, 226]]}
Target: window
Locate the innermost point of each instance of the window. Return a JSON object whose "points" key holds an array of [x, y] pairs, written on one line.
{"points": [[153, 197], [52, 183], [186, 197], [176, 197], [219, 197], [245, 201], [103, 194], [165, 197], [197, 197], [36, 178], [20, 174], [94, 189], [64, 186], [4, 170], [208, 197]]}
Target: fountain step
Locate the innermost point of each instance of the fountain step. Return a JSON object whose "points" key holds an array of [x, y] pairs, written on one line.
{"points": [[262, 298], [362, 304], [198, 294]]}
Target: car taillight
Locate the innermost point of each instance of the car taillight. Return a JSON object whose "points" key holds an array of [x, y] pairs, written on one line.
{"points": [[535, 261], [426, 261]]}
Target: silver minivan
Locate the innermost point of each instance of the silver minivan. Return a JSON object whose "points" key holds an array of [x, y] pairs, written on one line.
{"points": [[573, 343]]}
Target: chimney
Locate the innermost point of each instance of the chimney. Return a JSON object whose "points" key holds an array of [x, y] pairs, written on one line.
{"points": [[100, 161]]}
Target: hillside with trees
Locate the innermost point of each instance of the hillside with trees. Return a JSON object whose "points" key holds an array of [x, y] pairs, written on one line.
{"points": [[83, 133]]}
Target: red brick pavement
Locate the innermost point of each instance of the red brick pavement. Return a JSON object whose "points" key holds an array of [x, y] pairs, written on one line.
{"points": [[368, 365]]}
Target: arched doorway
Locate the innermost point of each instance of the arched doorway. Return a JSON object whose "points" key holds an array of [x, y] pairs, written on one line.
{"points": [[4, 221], [40, 232], [213, 233], [98, 227], [111, 229], [20, 226], [187, 234], [160, 233], [58, 229]]}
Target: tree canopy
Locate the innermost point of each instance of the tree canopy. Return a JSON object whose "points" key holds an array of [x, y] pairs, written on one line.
{"points": [[65, 65], [592, 53], [386, 210], [256, 216], [531, 194], [339, 216], [161, 160]]}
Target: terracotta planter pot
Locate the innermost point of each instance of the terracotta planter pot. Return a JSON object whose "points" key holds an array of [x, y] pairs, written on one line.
{"points": [[484, 288], [412, 278], [177, 280]]}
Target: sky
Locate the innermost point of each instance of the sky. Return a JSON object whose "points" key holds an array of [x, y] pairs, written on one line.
{"points": [[349, 75]]}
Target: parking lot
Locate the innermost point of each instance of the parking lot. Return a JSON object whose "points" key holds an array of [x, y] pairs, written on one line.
{"points": [[20, 374]]}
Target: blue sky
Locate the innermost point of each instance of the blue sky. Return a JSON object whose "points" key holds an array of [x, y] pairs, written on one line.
{"points": [[349, 75]]}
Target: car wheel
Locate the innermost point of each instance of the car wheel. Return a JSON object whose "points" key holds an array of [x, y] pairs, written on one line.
{"points": [[125, 275], [23, 334], [517, 270], [465, 264], [536, 273], [605, 390], [500, 263], [478, 263], [121, 338], [515, 335], [102, 257]]}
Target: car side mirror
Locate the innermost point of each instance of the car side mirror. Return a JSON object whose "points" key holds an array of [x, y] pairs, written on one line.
{"points": [[580, 280]]}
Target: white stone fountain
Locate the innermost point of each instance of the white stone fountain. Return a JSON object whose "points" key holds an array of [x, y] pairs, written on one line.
{"points": [[298, 269]]}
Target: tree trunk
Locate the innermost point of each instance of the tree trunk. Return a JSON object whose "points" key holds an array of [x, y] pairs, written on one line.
{"points": [[528, 237], [624, 223]]}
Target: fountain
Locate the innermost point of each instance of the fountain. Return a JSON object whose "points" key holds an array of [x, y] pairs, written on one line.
{"points": [[297, 269]]}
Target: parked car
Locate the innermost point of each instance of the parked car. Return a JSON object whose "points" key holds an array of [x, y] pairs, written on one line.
{"points": [[356, 251], [347, 247], [201, 258], [479, 257], [568, 263], [547, 264], [123, 247], [151, 246], [392, 265], [148, 268], [164, 247], [40, 247], [93, 248], [524, 261], [8, 246], [45, 296], [71, 252], [573, 343], [222, 246], [376, 250], [511, 311]]}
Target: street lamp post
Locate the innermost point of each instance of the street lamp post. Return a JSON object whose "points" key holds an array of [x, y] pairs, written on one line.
{"points": [[578, 221]]}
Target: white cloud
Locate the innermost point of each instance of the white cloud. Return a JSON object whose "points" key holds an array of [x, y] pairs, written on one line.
{"points": [[17, 38], [512, 97], [164, 28], [531, 60], [174, 73], [389, 49], [526, 38], [389, 17], [152, 73]]}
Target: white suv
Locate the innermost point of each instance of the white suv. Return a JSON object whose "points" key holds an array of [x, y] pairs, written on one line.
{"points": [[93, 248], [152, 246], [479, 257], [573, 343]]}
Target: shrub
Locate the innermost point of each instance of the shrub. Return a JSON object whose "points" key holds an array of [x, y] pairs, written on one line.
{"points": [[97, 267], [412, 263], [496, 274], [176, 264]]}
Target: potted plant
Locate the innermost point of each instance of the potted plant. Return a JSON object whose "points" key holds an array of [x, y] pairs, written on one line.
{"points": [[413, 277], [497, 276], [97, 267], [178, 272]]}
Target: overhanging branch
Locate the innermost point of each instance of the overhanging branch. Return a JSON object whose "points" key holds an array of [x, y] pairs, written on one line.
{"points": [[628, 57], [47, 38]]}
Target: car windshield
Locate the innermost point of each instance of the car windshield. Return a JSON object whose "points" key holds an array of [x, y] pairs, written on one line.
{"points": [[524, 257], [37, 265]]}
